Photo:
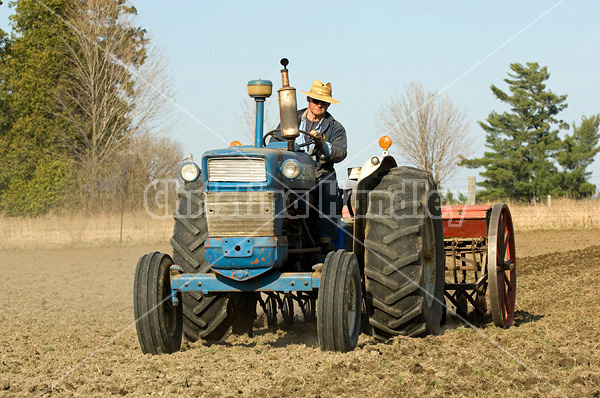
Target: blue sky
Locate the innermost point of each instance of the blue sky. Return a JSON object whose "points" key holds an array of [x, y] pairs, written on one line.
{"points": [[369, 53]]}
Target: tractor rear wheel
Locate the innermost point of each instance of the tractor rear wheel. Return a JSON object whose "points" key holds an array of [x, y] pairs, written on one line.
{"points": [[205, 316], [404, 257], [158, 321], [339, 302]]}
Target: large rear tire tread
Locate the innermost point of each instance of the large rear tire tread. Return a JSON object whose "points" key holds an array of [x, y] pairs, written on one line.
{"points": [[205, 317], [158, 323], [397, 222]]}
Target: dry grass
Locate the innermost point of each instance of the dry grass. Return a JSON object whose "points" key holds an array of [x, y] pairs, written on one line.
{"points": [[560, 214], [140, 227], [69, 230]]}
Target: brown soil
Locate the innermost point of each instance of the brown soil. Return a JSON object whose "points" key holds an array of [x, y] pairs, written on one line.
{"points": [[66, 323]]}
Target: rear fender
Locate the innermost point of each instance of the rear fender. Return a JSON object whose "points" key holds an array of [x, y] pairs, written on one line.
{"points": [[369, 177]]}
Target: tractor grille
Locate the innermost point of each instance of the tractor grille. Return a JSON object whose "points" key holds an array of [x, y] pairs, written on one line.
{"points": [[237, 169], [240, 213]]}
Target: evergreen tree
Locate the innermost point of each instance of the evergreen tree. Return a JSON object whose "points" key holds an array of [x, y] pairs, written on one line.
{"points": [[522, 141], [4, 107], [35, 167], [4, 110], [578, 152]]}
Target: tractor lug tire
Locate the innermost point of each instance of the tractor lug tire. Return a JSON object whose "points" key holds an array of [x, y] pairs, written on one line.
{"points": [[404, 256], [339, 302], [157, 321], [204, 316]]}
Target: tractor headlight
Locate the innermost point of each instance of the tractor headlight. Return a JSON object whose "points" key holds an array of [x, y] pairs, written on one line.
{"points": [[291, 168], [190, 172]]}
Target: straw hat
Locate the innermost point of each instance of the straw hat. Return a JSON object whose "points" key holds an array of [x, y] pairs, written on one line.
{"points": [[321, 91]]}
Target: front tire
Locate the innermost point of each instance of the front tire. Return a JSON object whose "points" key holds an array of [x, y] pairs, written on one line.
{"points": [[158, 321], [404, 259], [339, 302]]}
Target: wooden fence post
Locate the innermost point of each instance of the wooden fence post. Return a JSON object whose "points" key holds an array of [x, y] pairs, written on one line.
{"points": [[471, 198]]}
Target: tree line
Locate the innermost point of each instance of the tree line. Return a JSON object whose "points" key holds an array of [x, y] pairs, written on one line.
{"points": [[83, 108], [525, 159]]}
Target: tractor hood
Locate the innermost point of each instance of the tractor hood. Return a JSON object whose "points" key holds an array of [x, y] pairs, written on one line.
{"points": [[247, 168]]}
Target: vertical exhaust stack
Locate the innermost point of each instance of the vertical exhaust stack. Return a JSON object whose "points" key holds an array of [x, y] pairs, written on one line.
{"points": [[288, 109]]}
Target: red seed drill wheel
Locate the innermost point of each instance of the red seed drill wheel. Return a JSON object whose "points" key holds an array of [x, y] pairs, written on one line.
{"points": [[502, 267]]}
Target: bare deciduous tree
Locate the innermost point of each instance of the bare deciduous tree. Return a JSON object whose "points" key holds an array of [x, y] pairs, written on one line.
{"points": [[158, 157], [149, 159], [427, 129], [117, 86]]}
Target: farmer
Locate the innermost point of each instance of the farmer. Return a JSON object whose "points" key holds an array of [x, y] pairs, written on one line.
{"points": [[331, 136]]}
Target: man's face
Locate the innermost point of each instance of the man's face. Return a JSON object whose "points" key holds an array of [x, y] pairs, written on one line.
{"points": [[317, 107]]}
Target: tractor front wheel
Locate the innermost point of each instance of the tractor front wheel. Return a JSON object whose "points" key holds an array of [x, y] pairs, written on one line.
{"points": [[158, 322], [339, 302]]}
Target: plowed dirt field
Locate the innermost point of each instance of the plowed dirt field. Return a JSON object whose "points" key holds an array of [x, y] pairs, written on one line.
{"points": [[66, 329]]}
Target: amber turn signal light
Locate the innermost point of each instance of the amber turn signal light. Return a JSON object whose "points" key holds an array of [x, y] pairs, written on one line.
{"points": [[385, 142]]}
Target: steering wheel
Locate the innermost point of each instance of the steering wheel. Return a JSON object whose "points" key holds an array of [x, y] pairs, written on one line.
{"points": [[269, 134], [313, 140]]}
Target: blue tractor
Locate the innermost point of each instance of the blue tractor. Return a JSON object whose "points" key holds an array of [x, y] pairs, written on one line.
{"points": [[241, 240]]}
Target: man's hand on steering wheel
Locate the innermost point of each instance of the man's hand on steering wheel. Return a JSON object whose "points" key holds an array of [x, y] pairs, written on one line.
{"points": [[315, 138]]}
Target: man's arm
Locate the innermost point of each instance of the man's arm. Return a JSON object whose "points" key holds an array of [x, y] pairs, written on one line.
{"points": [[338, 143]]}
